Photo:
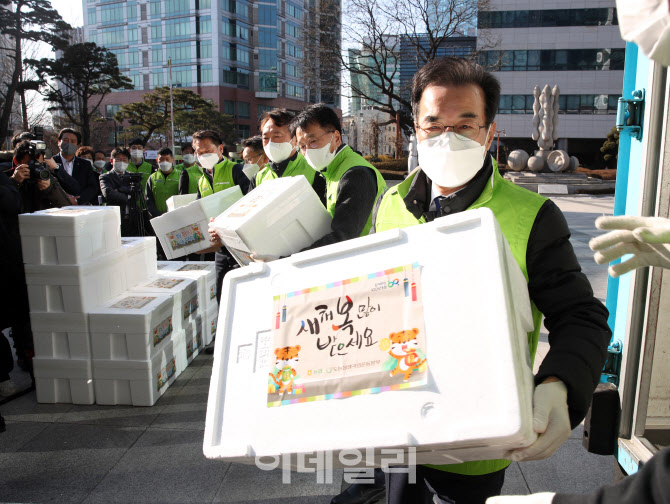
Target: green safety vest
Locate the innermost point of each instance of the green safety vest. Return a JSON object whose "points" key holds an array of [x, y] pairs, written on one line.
{"points": [[299, 166], [164, 187], [223, 179], [344, 160], [194, 174], [515, 209], [145, 169]]}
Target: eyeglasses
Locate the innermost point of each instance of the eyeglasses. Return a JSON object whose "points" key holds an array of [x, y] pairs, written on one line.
{"points": [[314, 142], [248, 160], [468, 130]]}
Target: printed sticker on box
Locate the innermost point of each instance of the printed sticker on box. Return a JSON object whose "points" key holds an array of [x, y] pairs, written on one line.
{"points": [[165, 283], [133, 302], [193, 267], [190, 307], [362, 335], [162, 330], [166, 373], [188, 235], [193, 345]]}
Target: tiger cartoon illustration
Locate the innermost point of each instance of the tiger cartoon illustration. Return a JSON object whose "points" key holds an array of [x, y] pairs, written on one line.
{"points": [[404, 355], [284, 373]]}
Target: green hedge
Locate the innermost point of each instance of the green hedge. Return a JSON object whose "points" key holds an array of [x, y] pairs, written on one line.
{"points": [[395, 165]]}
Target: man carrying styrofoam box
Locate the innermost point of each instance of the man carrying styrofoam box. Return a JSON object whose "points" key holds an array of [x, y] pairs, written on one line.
{"points": [[219, 173], [454, 103]]}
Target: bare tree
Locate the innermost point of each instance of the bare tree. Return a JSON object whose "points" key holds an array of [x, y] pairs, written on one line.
{"points": [[380, 34]]}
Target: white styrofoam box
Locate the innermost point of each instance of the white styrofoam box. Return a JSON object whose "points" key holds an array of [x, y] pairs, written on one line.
{"points": [[476, 402], [188, 344], [160, 265], [184, 230], [69, 235], [210, 324], [63, 381], [278, 218], [185, 292], [140, 255], [133, 326], [61, 335], [204, 272], [136, 382], [75, 288], [180, 200]]}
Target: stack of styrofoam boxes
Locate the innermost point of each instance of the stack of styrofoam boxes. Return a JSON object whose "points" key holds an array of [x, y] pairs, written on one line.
{"points": [[140, 257], [205, 274], [134, 339], [73, 263], [184, 230], [279, 218], [186, 313]]}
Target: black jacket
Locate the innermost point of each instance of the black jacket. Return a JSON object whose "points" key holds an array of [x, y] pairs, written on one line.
{"points": [[114, 189], [576, 320], [82, 183]]}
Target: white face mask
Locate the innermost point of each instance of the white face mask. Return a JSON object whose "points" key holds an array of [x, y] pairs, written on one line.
{"points": [[250, 170], [189, 159], [450, 160], [165, 166], [208, 160], [320, 158], [647, 23], [136, 154], [120, 166], [278, 152], [100, 164]]}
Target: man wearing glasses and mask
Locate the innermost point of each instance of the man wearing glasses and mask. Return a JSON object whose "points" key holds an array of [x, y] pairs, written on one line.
{"points": [[454, 103]]}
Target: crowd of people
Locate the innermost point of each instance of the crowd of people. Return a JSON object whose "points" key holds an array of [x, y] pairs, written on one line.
{"points": [[454, 107]]}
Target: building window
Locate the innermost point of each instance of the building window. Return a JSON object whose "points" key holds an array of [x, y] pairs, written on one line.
{"points": [[204, 24], [204, 49], [293, 70], [131, 11], [156, 55], [204, 74], [293, 30], [293, 50], [133, 34], [174, 7], [229, 108], [203, 4], [267, 81], [92, 18], [293, 90], [568, 104], [177, 29], [111, 14], [133, 59], [243, 110], [267, 14], [228, 26], [110, 110], [294, 10], [267, 37], [547, 18], [136, 79], [113, 36], [554, 59], [179, 52], [155, 9], [267, 60], [243, 131], [181, 77], [93, 36], [242, 32], [243, 55], [156, 32]]}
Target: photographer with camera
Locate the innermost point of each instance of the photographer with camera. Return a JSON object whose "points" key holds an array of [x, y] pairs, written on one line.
{"points": [[33, 177], [124, 190]]}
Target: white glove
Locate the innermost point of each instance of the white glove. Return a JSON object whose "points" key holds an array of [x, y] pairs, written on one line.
{"points": [[646, 238], [550, 420], [538, 498]]}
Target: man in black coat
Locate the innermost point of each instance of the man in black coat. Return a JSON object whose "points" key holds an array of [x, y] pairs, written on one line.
{"points": [[75, 174], [117, 191]]}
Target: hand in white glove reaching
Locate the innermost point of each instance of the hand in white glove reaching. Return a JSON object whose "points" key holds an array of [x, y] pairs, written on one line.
{"points": [[646, 238], [538, 498], [550, 420]]}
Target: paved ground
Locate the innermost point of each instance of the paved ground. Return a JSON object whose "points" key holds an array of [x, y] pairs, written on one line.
{"points": [[98, 454]]}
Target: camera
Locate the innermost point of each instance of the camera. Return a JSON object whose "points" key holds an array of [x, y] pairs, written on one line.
{"points": [[132, 178], [38, 170]]}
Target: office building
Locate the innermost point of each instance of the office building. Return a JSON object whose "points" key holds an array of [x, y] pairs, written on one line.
{"points": [[247, 56]]}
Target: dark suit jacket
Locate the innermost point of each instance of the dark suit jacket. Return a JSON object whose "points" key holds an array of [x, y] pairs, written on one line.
{"points": [[82, 183], [111, 183]]}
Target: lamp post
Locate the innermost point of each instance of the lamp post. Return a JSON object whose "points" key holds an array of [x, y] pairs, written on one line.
{"points": [[171, 105]]}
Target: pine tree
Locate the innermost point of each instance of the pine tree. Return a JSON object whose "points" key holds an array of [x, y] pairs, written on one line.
{"points": [[610, 148]]}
